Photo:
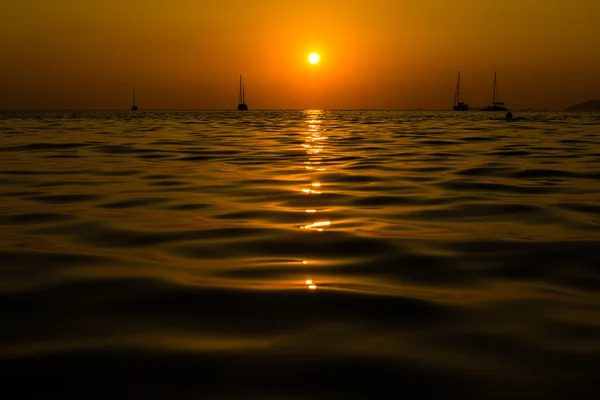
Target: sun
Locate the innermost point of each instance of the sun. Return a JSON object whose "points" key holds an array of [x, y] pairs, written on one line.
{"points": [[314, 58]]}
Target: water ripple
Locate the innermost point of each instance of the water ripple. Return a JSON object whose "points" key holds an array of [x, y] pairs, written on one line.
{"points": [[362, 251]]}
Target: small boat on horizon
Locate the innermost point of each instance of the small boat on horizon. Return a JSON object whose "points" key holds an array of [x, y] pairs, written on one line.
{"points": [[496, 104], [134, 107], [242, 103], [458, 104]]}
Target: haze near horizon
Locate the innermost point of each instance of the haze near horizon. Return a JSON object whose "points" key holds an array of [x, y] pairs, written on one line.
{"points": [[383, 54]]}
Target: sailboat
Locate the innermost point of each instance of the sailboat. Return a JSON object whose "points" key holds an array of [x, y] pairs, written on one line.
{"points": [[242, 105], [459, 105], [496, 105], [134, 107]]}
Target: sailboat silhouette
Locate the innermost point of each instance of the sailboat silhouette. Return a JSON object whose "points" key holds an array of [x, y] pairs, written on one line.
{"points": [[134, 107], [459, 105], [242, 104], [496, 104]]}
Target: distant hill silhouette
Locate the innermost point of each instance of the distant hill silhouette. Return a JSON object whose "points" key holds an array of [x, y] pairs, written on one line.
{"points": [[590, 105]]}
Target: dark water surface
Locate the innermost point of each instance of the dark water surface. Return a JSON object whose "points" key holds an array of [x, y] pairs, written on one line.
{"points": [[167, 255]]}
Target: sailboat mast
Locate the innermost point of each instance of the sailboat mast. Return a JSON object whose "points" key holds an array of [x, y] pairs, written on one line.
{"points": [[494, 98], [134, 95], [497, 93], [243, 95], [458, 88]]}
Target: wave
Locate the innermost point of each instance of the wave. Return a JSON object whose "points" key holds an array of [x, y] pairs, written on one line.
{"points": [[226, 254]]}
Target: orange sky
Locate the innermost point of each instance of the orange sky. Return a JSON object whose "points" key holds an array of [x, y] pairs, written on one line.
{"points": [[387, 54]]}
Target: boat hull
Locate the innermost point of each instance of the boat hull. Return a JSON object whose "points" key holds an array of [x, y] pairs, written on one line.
{"points": [[242, 107]]}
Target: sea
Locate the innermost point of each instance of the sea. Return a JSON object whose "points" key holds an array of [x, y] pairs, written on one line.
{"points": [[299, 255]]}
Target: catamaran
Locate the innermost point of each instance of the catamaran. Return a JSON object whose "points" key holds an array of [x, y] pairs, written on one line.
{"points": [[242, 105], [496, 105], [458, 104]]}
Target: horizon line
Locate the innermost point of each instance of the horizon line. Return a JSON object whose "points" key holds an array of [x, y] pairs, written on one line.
{"points": [[475, 109]]}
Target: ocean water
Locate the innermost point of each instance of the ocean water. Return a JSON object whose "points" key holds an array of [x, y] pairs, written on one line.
{"points": [[299, 255]]}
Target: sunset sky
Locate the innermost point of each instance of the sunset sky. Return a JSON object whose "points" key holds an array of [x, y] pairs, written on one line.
{"points": [[385, 54]]}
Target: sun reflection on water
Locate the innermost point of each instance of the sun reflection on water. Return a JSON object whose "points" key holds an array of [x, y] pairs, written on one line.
{"points": [[317, 224], [314, 146]]}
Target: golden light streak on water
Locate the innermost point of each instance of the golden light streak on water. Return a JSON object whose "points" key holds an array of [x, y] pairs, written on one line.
{"points": [[321, 223]]}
